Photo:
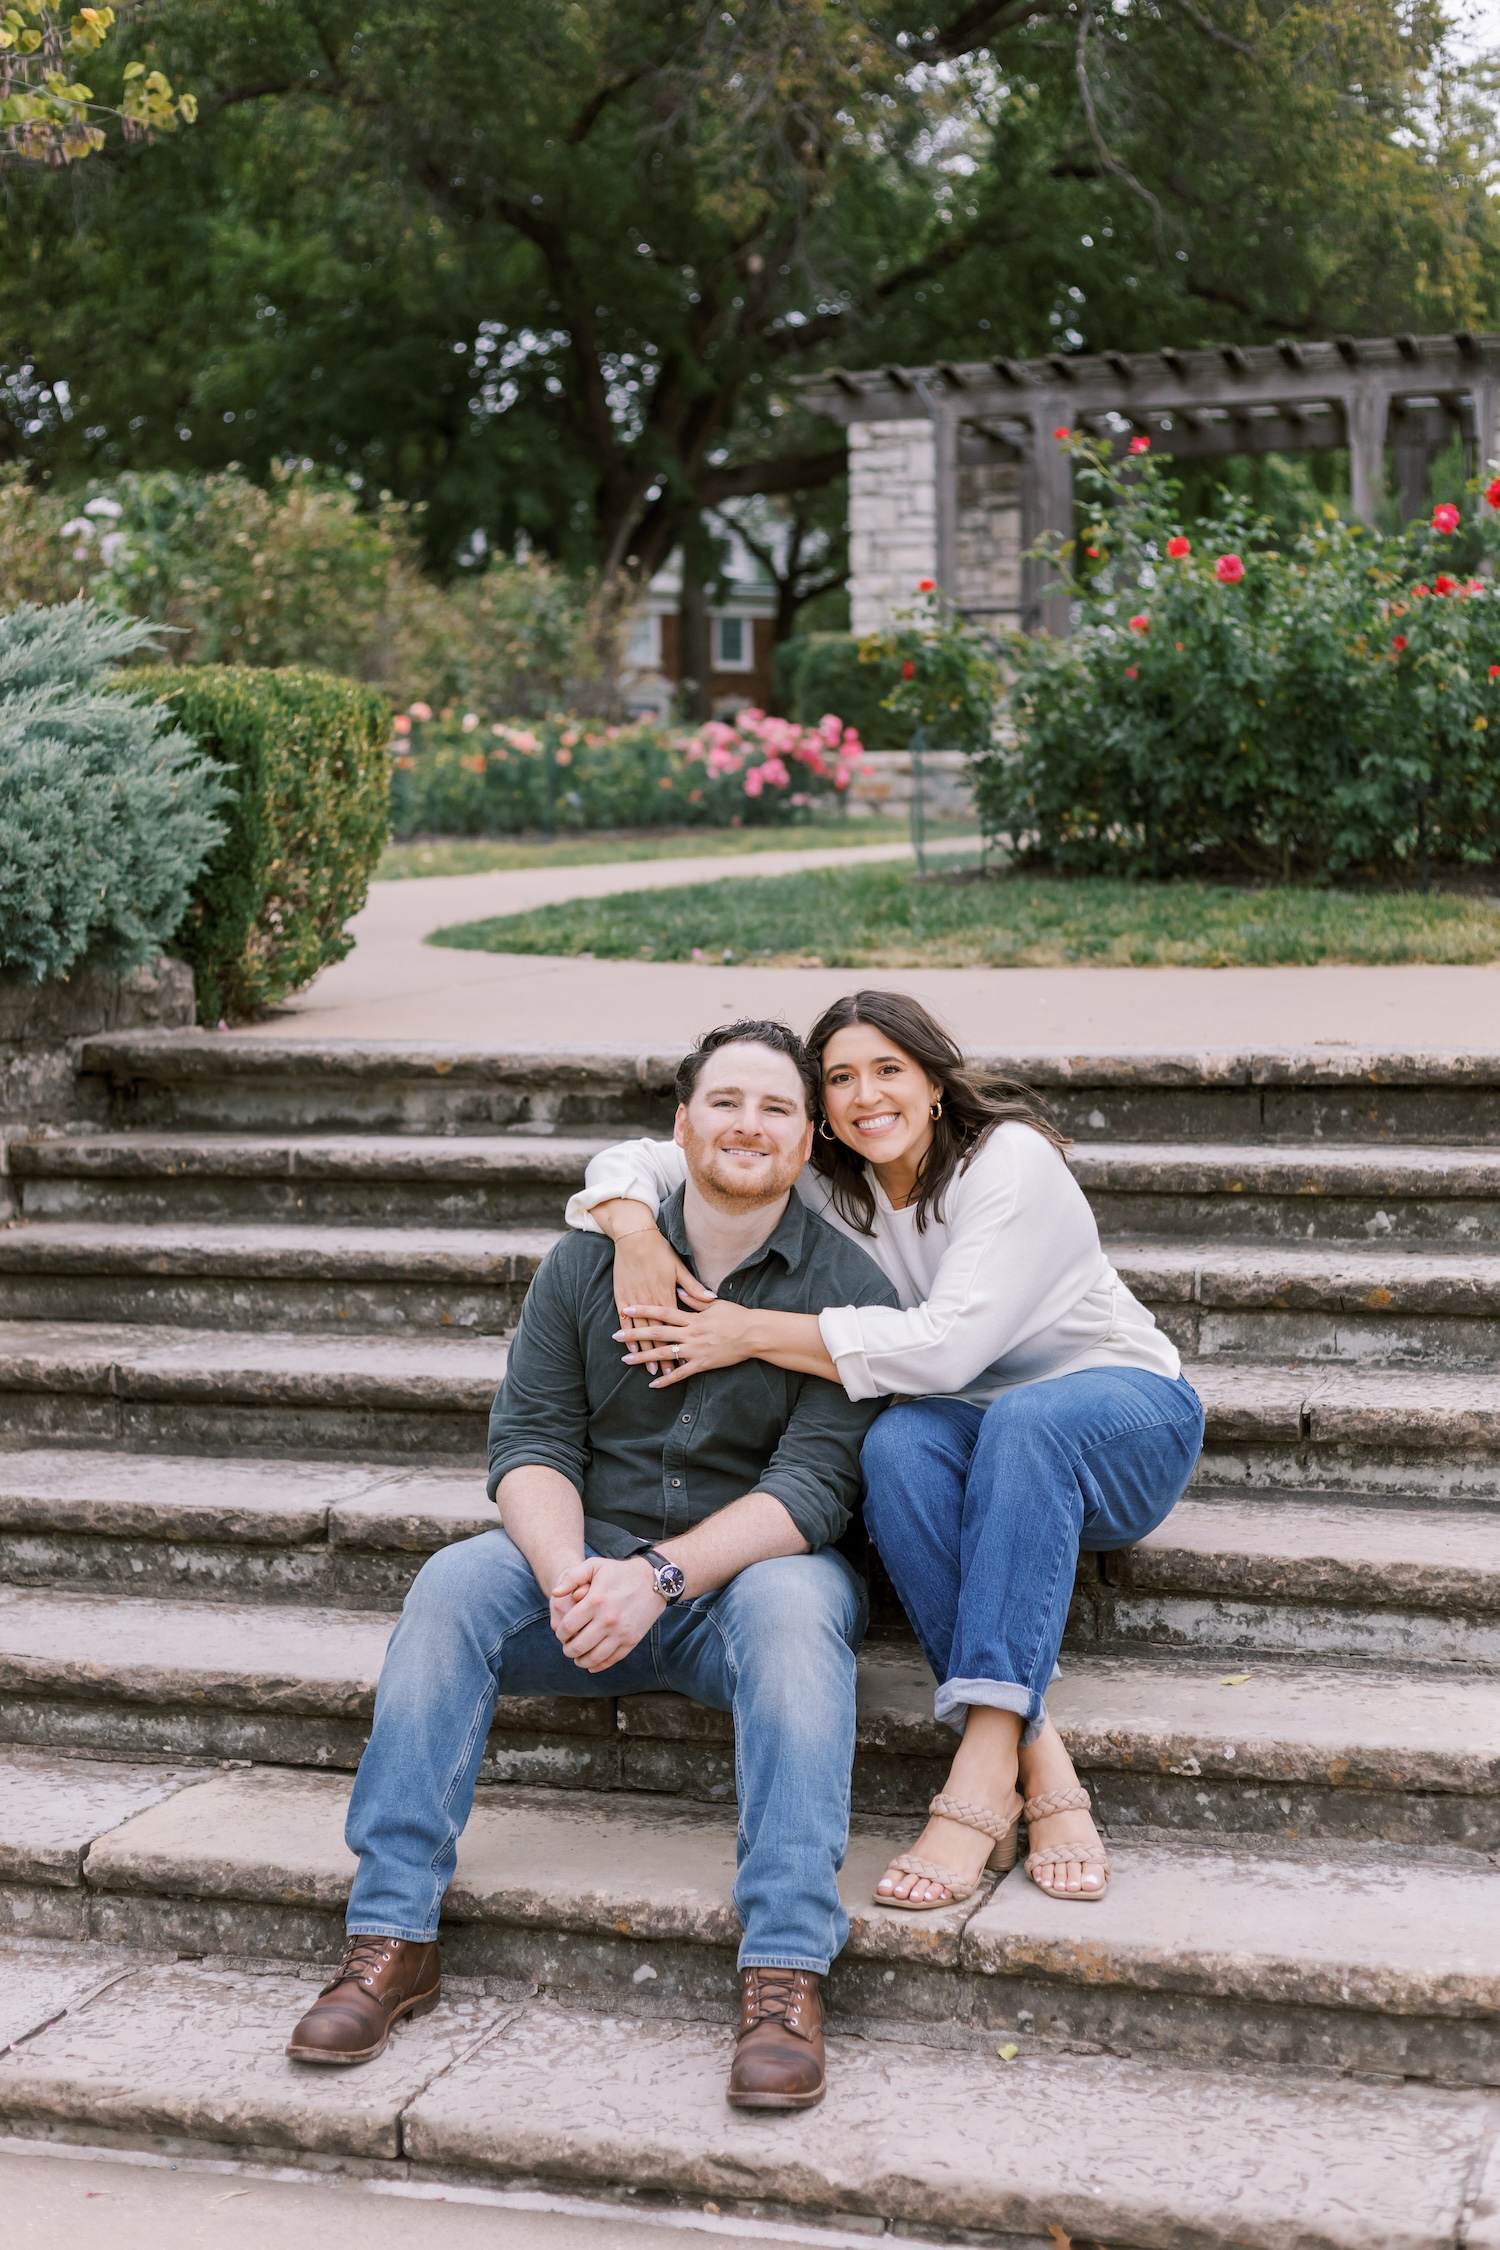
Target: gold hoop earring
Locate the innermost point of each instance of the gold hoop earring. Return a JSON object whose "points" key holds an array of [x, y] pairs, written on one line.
{"points": [[936, 1111], [824, 1132]]}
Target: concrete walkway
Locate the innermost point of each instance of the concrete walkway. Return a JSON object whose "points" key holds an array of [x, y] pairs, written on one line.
{"points": [[393, 986]]}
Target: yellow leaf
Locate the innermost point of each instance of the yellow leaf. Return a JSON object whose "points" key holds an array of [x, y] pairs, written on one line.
{"points": [[135, 70], [1236, 1679], [1007, 2054]]}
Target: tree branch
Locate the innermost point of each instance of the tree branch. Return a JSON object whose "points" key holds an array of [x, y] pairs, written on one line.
{"points": [[787, 472], [1211, 30], [594, 108], [986, 21]]}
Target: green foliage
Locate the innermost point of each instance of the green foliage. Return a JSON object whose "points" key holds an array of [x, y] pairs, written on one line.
{"points": [[47, 114], [106, 814], [297, 572], [1316, 704], [884, 918], [306, 754], [943, 677], [818, 672], [555, 279]]}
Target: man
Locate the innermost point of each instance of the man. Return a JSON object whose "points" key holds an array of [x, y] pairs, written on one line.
{"points": [[652, 1538]]}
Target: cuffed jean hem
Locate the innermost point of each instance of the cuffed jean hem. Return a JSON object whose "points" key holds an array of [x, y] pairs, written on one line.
{"points": [[950, 1706], [383, 1929], [782, 1961]]}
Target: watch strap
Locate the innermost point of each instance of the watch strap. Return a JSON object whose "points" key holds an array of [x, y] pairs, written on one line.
{"points": [[660, 1562]]}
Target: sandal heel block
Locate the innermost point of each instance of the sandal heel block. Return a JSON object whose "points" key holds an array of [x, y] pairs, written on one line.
{"points": [[1093, 1854], [1002, 1828]]}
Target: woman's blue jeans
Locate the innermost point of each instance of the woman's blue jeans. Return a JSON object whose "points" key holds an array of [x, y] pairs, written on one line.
{"points": [[776, 1646], [979, 1514]]}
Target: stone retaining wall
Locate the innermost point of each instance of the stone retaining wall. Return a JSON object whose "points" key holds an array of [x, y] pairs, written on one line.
{"points": [[43, 1026]]}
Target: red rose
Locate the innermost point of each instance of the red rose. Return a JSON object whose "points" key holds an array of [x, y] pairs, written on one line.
{"points": [[1445, 517], [1492, 492], [1131, 673], [1229, 570], [1179, 547], [1062, 433], [1399, 643], [1419, 592], [1445, 585], [1495, 668], [908, 670], [1094, 551], [926, 585], [1140, 445], [1140, 624]]}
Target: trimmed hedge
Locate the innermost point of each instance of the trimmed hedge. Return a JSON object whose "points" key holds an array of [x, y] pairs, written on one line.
{"points": [[820, 672], [307, 756]]}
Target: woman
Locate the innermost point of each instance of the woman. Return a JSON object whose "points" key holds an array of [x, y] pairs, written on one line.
{"points": [[1043, 1408]]}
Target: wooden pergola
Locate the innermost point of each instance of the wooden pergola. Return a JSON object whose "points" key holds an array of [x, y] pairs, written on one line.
{"points": [[1410, 394]]}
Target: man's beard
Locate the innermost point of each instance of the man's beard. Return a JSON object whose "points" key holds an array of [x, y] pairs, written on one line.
{"points": [[722, 1183]]}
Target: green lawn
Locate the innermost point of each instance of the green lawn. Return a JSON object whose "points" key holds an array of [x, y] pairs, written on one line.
{"points": [[879, 917], [480, 855]]}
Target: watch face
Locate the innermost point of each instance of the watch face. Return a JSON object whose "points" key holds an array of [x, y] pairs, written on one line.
{"points": [[670, 1582]]}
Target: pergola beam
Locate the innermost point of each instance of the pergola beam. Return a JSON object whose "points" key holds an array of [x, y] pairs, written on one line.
{"points": [[1364, 393]]}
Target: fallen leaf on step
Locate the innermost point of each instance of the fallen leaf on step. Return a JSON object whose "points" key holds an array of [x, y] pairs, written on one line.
{"points": [[1062, 2240], [1007, 2054], [229, 2198], [1236, 1679]]}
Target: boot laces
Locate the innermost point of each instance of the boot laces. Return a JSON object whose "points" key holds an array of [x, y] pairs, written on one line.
{"points": [[774, 1992], [364, 1956]]}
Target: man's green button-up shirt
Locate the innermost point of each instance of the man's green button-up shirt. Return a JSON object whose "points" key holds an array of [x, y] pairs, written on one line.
{"points": [[650, 1463]]}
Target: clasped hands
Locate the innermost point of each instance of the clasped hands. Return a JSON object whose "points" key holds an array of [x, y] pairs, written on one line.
{"points": [[707, 1332], [601, 1607]]}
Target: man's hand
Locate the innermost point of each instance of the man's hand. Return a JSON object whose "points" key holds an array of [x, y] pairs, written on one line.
{"points": [[602, 1608]]}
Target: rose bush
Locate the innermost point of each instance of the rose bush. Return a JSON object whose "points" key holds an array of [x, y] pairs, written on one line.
{"points": [[1317, 705], [454, 774]]}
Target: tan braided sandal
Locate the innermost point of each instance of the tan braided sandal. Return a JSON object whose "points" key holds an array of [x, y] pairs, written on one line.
{"points": [[980, 1817], [1056, 1855]]}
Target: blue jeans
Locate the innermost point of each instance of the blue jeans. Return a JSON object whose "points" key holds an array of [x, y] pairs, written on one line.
{"points": [[979, 1514], [776, 1646]]}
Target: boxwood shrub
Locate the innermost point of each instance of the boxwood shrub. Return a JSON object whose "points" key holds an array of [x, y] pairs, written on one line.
{"points": [[306, 757]]}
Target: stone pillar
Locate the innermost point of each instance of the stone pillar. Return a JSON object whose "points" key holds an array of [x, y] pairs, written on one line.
{"points": [[1047, 488], [892, 519], [1364, 420]]}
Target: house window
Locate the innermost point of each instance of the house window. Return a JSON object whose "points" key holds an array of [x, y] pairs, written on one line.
{"points": [[733, 644], [643, 645]]}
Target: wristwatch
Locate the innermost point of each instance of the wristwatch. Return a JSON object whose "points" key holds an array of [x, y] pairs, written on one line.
{"points": [[666, 1576]]}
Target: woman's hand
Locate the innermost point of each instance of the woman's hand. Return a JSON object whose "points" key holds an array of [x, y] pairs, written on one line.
{"points": [[687, 1342], [648, 1271]]}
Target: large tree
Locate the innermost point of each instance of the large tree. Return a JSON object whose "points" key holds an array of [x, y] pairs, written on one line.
{"points": [[550, 267]]}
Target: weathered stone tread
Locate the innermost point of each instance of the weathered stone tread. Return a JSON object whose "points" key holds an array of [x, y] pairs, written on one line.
{"points": [[1309, 1550], [1139, 2155], [1352, 1726], [1317, 1170], [233, 1250], [314, 1156], [151, 1362]]}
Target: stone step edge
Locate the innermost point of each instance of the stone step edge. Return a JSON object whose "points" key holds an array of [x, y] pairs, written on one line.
{"points": [[1418, 1170], [1414, 1409], [1172, 1270], [206, 1055], [675, 1891], [1030, 2151], [1227, 1744]]}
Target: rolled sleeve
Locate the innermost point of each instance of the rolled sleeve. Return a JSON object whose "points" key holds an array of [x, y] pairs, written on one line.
{"points": [[540, 1417], [640, 1171], [814, 1471], [838, 1325]]}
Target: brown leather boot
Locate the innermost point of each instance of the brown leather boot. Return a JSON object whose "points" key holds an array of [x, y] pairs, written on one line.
{"points": [[379, 1980], [778, 2063]]}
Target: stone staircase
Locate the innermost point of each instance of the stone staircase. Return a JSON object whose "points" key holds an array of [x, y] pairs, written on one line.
{"points": [[252, 1314]]}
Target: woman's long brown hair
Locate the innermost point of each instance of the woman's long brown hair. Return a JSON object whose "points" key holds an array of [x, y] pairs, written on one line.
{"points": [[972, 1106]]}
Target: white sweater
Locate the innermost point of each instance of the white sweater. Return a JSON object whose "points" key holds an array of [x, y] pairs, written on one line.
{"points": [[1008, 1286]]}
